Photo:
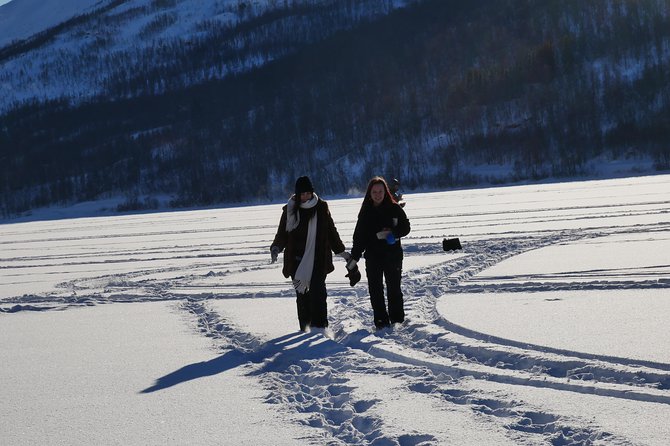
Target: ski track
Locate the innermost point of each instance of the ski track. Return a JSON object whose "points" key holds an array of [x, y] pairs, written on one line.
{"points": [[429, 352]]}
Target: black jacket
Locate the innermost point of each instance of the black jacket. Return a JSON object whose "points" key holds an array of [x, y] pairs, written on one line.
{"points": [[373, 219], [327, 240]]}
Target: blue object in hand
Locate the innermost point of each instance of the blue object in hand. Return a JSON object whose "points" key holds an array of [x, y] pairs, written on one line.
{"points": [[390, 238]]}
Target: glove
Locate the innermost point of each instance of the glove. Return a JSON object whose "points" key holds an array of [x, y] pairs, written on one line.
{"points": [[354, 274], [274, 253]]}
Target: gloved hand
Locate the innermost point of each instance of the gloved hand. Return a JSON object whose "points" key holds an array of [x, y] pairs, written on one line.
{"points": [[353, 274], [387, 235], [274, 253], [381, 235], [345, 255]]}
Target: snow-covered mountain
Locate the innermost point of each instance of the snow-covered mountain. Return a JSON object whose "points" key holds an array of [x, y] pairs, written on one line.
{"points": [[79, 49], [20, 19], [211, 101]]}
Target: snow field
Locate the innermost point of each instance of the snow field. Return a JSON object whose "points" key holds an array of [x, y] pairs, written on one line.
{"points": [[500, 346], [78, 376]]}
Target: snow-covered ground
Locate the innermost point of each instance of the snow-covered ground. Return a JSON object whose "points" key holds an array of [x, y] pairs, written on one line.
{"points": [[549, 327]]}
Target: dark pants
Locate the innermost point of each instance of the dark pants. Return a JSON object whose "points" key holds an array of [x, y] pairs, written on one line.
{"points": [[312, 306], [378, 269]]}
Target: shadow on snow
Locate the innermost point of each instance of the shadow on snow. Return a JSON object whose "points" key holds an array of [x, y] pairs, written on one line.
{"points": [[275, 355]]}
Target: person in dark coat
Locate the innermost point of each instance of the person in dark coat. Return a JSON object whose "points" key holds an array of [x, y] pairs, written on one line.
{"points": [[381, 223], [308, 237], [394, 187]]}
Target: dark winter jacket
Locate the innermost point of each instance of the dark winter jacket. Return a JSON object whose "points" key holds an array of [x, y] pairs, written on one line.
{"points": [[327, 240], [372, 220]]}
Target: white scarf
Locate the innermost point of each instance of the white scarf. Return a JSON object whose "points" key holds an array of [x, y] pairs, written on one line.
{"points": [[303, 274]]}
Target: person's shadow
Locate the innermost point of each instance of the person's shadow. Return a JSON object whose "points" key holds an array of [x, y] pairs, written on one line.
{"points": [[277, 354]]}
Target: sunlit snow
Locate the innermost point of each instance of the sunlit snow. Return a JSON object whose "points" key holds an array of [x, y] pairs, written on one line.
{"points": [[548, 327]]}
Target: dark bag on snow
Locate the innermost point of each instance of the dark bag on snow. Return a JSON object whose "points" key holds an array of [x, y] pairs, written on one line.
{"points": [[451, 244]]}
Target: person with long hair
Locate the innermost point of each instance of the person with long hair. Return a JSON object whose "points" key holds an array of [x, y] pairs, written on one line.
{"points": [[381, 224], [308, 235]]}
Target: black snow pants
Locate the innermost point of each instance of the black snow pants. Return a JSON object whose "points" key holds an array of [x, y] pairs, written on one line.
{"points": [[312, 306], [377, 269]]}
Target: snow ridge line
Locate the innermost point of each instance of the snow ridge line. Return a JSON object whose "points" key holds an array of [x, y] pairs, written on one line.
{"points": [[31, 302], [568, 286], [457, 369], [210, 324], [524, 347], [555, 428]]}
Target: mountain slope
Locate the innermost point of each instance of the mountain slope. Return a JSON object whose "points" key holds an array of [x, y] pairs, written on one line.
{"points": [[343, 90], [21, 19], [112, 50]]}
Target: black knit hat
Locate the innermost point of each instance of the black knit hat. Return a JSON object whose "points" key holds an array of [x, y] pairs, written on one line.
{"points": [[303, 184]]}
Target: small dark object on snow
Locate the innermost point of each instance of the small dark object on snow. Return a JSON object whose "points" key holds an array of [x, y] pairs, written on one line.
{"points": [[451, 244], [354, 276]]}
